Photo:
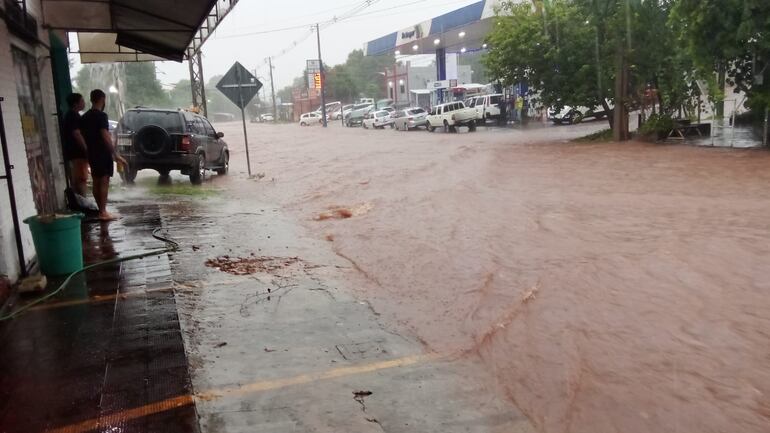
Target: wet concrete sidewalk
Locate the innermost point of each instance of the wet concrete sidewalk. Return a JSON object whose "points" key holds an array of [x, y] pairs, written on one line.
{"points": [[267, 338], [287, 348], [101, 355]]}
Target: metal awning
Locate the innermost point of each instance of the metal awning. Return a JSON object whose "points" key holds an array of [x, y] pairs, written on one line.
{"points": [[136, 30]]}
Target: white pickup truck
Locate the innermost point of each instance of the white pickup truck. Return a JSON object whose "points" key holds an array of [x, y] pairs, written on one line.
{"points": [[450, 116]]}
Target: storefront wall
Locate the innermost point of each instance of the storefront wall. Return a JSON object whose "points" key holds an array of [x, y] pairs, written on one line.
{"points": [[29, 111]]}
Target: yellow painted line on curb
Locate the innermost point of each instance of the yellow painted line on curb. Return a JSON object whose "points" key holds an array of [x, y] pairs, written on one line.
{"points": [[268, 385], [121, 417], [96, 299]]}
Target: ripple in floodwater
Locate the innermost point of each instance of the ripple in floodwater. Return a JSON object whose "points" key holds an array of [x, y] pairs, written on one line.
{"points": [[342, 212], [651, 266]]}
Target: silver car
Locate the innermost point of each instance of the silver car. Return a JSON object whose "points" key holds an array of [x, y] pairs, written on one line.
{"points": [[410, 118]]}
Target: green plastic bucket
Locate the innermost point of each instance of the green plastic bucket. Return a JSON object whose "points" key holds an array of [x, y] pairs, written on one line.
{"points": [[57, 242]]}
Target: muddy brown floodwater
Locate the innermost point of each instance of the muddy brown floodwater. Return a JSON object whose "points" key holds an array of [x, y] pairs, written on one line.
{"points": [[608, 287]]}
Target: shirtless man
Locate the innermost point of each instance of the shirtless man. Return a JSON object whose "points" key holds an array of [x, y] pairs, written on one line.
{"points": [[101, 151]]}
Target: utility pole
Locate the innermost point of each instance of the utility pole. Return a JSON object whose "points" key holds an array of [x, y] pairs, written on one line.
{"points": [[272, 88], [321, 70]]}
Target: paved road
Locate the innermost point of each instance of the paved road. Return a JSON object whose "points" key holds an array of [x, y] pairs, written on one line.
{"points": [[603, 287]]}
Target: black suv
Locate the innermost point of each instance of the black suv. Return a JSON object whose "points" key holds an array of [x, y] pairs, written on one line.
{"points": [[166, 140]]}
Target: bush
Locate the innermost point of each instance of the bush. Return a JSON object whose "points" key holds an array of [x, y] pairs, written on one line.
{"points": [[656, 125]]}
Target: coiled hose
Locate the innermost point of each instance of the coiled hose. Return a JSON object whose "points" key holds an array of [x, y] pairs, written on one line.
{"points": [[171, 245]]}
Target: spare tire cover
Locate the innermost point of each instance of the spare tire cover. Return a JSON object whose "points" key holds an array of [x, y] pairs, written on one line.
{"points": [[152, 141]]}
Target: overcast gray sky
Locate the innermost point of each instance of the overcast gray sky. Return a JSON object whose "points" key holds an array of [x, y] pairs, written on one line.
{"points": [[231, 42]]}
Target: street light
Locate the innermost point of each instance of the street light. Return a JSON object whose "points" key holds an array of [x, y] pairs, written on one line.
{"points": [[436, 41], [113, 90], [461, 34], [463, 50], [398, 53], [484, 46], [415, 47]]}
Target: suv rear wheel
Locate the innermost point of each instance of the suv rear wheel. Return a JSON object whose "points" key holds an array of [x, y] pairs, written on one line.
{"points": [[198, 171]]}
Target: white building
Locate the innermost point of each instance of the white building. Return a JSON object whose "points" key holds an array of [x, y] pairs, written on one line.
{"points": [[31, 129]]}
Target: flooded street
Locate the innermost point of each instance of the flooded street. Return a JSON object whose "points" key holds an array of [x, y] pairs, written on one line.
{"points": [[607, 287]]}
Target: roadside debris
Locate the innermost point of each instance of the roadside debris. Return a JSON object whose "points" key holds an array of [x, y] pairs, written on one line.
{"points": [[250, 265], [222, 344], [359, 397], [35, 283], [342, 212]]}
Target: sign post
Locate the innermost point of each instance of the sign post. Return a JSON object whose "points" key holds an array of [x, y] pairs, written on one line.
{"points": [[240, 86]]}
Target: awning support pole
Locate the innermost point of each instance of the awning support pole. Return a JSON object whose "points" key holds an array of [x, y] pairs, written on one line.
{"points": [[197, 85]]}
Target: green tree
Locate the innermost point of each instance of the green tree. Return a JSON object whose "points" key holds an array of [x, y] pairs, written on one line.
{"points": [[551, 48], [591, 53], [216, 101], [142, 86], [729, 42], [136, 84], [340, 85], [181, 94]]}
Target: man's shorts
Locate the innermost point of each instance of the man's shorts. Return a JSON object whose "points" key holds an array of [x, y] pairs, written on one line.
{"points": [[101, 165]]}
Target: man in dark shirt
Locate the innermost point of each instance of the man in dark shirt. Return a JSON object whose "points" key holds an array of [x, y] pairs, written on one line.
{"points": [[75, 153], [101, 151]]}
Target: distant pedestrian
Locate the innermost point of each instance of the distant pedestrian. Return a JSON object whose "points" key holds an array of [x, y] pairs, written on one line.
{"points": [[74, 145], [101, 151], [520, 108]]}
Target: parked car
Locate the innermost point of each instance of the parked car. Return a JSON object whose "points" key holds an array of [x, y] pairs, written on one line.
{"points": [[267, 117], [572, 115], [378, 119], [410, 118], [309, 119], [389, 109], [343, 111], [451, 115], [382, 103], [357, 113], [369, 101], [486, 106], [166, 140]]}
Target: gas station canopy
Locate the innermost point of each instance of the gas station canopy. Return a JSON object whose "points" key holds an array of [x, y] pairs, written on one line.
{"points": [[136, 30], [463, 28]]}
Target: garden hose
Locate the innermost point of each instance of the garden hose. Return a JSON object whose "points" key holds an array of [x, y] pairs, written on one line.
{"points": [[171, 245]]}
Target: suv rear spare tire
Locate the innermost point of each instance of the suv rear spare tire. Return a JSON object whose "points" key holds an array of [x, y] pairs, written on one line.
{"points": [[152, 141]]}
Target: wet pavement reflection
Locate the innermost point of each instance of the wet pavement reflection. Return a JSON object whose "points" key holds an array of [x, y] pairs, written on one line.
{"points": [[99, 356]]}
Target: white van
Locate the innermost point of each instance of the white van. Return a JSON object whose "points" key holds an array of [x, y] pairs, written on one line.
{"points": [[486, 106]]}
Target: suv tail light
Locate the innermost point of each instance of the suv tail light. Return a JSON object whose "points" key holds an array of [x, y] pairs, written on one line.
{"points": [[184, 144]]}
